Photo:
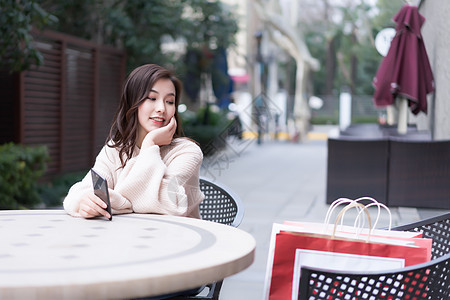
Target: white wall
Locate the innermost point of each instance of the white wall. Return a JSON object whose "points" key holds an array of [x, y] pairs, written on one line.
{"points": [[436, 35]]}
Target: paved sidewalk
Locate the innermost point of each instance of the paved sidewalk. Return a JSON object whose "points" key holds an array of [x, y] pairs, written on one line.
{"points": [[277, 181]]}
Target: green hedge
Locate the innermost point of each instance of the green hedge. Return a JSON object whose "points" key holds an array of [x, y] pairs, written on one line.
{"points": [[207, 127], [207, 136], [53, 192], [20, 169]]}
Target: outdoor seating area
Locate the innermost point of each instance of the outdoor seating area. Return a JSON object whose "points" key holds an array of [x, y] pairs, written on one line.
{"points": [[219, 206], [396, 170], [371, 131], [225, 150], [430, 280]]}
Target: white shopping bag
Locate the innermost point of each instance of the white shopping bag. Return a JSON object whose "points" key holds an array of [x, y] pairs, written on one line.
{"points": [[338, 262]]}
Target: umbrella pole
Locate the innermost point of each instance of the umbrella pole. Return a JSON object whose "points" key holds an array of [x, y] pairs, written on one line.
{"points": [[402, 115]]}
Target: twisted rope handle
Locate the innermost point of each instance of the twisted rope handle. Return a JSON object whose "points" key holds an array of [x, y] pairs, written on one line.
{"points": [[359, 222], [361, 208]]}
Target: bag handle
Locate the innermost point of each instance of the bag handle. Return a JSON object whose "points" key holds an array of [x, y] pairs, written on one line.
{"points": [[361, 208], [379, 205], [359, 223], [335, 204]]}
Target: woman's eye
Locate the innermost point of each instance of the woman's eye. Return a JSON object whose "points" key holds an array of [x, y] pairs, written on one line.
{"points": [[171, 102], [151, 98]]}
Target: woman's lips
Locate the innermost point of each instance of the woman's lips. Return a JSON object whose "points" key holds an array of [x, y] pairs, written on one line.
{"points": [[157, 120]]}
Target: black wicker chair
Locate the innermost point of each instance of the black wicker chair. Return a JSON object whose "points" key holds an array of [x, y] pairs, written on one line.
{"points": [[429, 280], [349, 160], [419, 170], [221, 206]]}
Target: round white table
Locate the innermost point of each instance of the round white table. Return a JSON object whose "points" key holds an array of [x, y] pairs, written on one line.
{"points": [[47, 254]]}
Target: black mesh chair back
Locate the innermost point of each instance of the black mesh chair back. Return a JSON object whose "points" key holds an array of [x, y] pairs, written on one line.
{"points": [[220, 204], [437, 229], [430, 280]]}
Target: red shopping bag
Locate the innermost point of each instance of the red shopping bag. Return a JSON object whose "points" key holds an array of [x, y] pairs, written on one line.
{"points": [[287, 243], [375, 235]]}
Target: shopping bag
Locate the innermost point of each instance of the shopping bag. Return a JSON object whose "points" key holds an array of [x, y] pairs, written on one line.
{"points": [[340, 230], [339, 261], [287, 243], [294, 244], [326, 227]]}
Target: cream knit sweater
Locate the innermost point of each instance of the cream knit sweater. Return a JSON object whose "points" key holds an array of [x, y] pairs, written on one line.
{"points": [[161, 180]]}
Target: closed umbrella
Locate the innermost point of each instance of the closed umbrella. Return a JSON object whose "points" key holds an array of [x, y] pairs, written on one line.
{"points": [[405, 73]]}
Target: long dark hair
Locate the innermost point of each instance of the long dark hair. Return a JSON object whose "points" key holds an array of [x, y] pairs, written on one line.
{"points": [[124, 130]]}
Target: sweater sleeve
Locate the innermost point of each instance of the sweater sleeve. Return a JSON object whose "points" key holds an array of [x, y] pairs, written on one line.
{"points": [[105, 165], [165, 187], [72, 200]]}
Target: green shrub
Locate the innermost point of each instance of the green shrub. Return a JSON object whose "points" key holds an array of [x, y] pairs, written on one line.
{"points": [[365, 119], [324, 120], [207, 127], [53, 192], [208, 136], [20, 168]]}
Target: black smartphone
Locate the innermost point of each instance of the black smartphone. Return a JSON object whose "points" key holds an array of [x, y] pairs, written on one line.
{"points": [[101, 190]]}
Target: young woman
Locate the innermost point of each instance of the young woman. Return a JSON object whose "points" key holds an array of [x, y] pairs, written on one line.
{"points": [[149, 167]]}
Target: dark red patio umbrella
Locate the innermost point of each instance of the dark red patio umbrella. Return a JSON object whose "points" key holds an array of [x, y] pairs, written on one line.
{"points": [[405, 71]]}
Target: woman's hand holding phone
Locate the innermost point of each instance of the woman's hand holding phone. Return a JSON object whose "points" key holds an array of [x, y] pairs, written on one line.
{"points": [[92, 206], [96, 203]]}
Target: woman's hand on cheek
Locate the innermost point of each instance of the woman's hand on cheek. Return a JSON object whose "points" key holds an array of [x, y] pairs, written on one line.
{"points": [[161, 136]]}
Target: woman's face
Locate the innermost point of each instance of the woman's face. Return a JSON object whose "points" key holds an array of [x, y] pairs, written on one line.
{"points": [[159, 107]]}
